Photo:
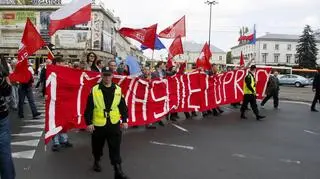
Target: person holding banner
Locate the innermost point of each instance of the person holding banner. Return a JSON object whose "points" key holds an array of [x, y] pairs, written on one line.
{"points": [[61, 140], [249, 90], [105, 107]]}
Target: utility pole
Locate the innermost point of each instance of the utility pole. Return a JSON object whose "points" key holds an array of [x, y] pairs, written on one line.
{"points": [[210, 3]]}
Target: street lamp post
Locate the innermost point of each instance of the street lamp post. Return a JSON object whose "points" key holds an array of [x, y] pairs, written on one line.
{"points": [[210, 3]]}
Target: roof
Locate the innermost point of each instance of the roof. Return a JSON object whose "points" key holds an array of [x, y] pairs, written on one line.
{"points": [[196, 47], [282, 37]]}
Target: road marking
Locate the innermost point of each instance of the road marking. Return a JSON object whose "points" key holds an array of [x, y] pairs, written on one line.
{"points": [[310, 132], [179, 127], [39, 126], [31, 143], [239, 155], [24, 154], [37, 120], [296, 102], [290, 161], [247, 156], [29, 134], [173, 145]]}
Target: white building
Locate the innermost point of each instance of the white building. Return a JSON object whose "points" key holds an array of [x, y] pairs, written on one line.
{"points": [[271, 49], [192, 51]]}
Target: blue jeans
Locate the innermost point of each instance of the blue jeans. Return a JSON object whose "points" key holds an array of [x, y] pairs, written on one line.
{"points": [[60, 138], [26, 92], [6, 163]]}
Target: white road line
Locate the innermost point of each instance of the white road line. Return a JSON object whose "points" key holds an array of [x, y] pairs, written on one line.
{"points": [[310, 132], [173, 145], [36, 120], [239, 155], [31, 143], [30, 134], [290, 161], [179, 127], [24, 154], [38, 126], [296, 102]]}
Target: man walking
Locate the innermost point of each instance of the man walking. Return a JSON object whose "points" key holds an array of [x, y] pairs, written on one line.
{"points": [[105, 107], [316, 88], [272, 90], [6, 162], [249, 90]]}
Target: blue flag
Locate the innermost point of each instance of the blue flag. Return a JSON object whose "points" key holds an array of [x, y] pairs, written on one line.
{"points": [[158, 45], [134, 66]]}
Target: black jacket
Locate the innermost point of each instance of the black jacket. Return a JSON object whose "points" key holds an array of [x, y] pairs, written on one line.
{"points": [[108, 95], [5, 90], [316, 82]]}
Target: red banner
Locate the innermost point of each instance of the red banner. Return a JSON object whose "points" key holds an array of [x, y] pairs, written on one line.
{"points": [[148, 101]]}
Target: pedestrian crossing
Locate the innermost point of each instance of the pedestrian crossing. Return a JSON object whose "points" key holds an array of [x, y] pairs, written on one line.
{"points": [[25, 143]]}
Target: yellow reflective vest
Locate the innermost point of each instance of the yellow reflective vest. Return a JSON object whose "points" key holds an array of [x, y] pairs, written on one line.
{"points": [[99, 114], [246, 90]]}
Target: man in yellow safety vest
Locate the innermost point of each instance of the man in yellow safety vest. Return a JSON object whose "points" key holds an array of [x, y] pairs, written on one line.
{"points": [[249, 90], [105, 107]]}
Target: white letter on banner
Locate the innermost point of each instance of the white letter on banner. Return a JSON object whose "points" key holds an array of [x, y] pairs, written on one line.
{"points": [[129, 90], [143, 101], [83, 76], [257, 79], [192, 91], [183, 91], [218, 89], [206, 90], [227, 82], [178, 92], [164, 98], [236, 82], [52, 129]]}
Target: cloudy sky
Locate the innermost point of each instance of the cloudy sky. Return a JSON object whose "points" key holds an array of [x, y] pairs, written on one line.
{"points": [[274, 16]]}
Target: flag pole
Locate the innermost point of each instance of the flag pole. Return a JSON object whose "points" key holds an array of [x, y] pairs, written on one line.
{"points": [[49, 50]]}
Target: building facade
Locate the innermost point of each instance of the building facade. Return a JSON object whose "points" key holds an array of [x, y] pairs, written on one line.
{"points": [[271, 50], [192, 52]]}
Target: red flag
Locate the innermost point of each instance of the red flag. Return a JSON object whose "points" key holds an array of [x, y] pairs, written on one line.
{"points": [[204, 60], [76, 12], [50, 56], [30, 43], [175, 30], [241, 60], [174, 49], [145, 36]]}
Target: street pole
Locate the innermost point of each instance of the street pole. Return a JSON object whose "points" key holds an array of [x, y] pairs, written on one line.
{"points": [[210, 3]]}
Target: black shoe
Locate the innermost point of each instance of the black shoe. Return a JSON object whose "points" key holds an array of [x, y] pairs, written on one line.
{"points": [[21, 116], [314, 110], [220, 111], [161, 123], [259, 118], [96, 166], [56, 148], [36, 115], [118, 173], [150, 126], [173, 118], [243, 117], [194, 114], [66, 145]]}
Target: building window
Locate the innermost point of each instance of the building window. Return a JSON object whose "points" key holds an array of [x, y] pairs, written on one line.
{"points": [[276, 47], [276, 58], [289, 58], [289, 47], [220, 58], [264, 47], [264, 57]]}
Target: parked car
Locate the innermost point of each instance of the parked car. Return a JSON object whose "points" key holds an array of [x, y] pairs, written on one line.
{"points": [[296, 80]]}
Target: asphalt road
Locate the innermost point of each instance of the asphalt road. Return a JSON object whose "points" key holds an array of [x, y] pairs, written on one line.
{"points": [[296, 94], [284, 146]]}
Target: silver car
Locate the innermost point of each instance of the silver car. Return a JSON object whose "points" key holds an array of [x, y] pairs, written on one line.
{"points": [[296, 80]]}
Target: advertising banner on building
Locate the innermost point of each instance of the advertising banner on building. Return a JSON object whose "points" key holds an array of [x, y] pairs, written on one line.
{"points": [[96, 31], [16, 19], [75, 39]]}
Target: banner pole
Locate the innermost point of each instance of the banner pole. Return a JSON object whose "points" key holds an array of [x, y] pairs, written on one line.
{"points": [[49, 50]]}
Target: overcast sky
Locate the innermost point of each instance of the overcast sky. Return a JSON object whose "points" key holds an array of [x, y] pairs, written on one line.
{"points": [[274, 16]]}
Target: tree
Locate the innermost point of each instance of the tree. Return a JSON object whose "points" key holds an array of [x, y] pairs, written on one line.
{"points": [[229, 58], [307, 49]]}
